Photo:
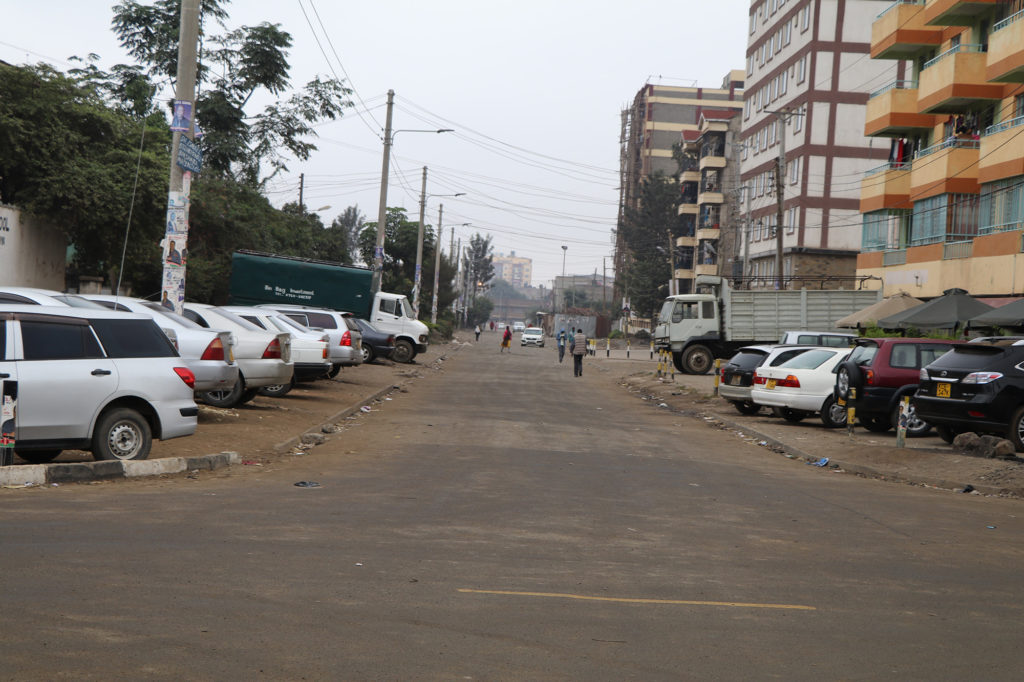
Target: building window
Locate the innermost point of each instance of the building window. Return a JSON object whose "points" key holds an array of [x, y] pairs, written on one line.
{"points": [[783, 82], [801, 69], [746, 109], [753, 23], [798, 120], [885, 230], [791, 221], [764, 140], [774, 90], [794, 172], [947, 217], [750, 65], [787, 33], [1018, 106], [772, 132], [1002, 206]]}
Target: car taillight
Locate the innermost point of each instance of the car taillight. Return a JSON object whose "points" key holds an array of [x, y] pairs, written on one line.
{"points": [[922, 375], [346, 339], [758, 379], [869, 377], [789, 382], [981, 377], [391, 340], [186, 375], [273, 351], [215, 351]]}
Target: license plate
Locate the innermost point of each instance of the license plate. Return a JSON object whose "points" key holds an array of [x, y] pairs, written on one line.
{"points": [[942, 390], [770, 385], [734, 380]]}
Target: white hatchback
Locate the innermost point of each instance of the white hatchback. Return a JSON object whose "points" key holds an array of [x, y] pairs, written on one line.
{"points": [[532, 336], [802, 386], [83, 379]]}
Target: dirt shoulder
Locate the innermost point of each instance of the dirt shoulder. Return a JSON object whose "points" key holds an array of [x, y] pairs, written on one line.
{"points": [[924, 461]]}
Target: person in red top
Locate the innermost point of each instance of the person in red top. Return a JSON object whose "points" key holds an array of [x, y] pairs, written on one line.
{"points": [[506, 340]]}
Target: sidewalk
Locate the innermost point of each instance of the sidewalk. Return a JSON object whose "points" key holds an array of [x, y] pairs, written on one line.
{"points": [[926, 461]]}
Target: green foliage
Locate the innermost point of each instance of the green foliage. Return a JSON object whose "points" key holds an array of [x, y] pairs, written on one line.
{"points": [[479, 312], [501, 290], [615, 334], [874, 332], [441, 331]]}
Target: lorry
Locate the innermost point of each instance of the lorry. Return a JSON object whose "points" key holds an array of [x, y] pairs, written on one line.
{"points": [[259, 278], [718, 320]]}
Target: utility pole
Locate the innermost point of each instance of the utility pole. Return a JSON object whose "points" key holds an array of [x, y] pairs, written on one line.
{"points": [[382, 207], [302, 182], [671, 266], [419, 249], [604, 283], [179, 186], [437, 260], [782, 118], [458, 277], [746, 241]]}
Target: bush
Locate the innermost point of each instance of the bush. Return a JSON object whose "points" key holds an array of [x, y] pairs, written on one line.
{"points": [[442, 331], [615, 334], [642, 334]]}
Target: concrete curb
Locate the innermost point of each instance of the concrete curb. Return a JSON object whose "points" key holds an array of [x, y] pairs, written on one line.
{"points": [[292, 442], [77, 472]]}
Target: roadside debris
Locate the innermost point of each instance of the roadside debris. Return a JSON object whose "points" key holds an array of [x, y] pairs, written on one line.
{"points": [[820, 463], [307, 484]]}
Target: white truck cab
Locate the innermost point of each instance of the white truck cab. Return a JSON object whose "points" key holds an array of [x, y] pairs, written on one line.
{"points": [[392, 314]]}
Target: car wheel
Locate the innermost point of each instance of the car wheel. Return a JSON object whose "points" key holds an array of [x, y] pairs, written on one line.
{"points": [[404, 352], [947, 434], [367, 351], [746, 406], [334, 371], [38, 456], [915, 425], [277, 390], [789, 414], [228, 398], [697, 359], [833, 415], [1015, 430], [122, 433], [875, 424], [848, 376]]}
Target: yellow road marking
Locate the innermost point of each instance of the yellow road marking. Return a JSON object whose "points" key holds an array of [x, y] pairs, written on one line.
{"points": [[629, 600]]}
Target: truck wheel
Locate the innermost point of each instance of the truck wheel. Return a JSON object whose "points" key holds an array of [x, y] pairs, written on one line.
{"points": [[698, 359], [122, 433], [875, 424], [677, 360], [404, 352]]}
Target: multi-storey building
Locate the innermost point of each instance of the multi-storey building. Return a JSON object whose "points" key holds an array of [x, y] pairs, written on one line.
{"points": [[515, 270], [808, 79], [660, 117], [947, 209]]}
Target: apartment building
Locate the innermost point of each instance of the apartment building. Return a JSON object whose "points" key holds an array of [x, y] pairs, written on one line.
{"points": [[659, 117], [808, 76], [516, 270], [947, 207]]}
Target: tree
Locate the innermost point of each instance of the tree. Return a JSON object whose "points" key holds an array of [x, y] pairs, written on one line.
{"points": [[234, 65], [342, 237], [479, 263], [645, 232], [479, 311]]}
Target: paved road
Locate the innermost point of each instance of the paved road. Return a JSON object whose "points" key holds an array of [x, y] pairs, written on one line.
{"points": [[503, 520]]}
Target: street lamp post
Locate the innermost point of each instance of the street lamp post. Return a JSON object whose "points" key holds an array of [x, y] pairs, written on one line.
{"points": [[417, 284], [564, 249], [437, 261]]}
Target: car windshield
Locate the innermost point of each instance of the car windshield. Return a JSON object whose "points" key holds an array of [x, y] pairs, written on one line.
{"points": [[533, 331], [863, 354], [747, 359], [666, 311], [283, 323], [183, 321], [407, 308], [812, 359]]}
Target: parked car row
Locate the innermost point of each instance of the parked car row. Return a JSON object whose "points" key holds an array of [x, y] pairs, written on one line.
{"points": [[108, 374], [954, 386]]}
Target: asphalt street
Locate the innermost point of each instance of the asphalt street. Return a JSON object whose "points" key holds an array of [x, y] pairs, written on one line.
{"points": [[505, 520]]}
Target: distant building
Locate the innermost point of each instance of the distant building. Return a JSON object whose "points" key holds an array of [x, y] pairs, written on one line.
{"points": [[515, 270], [591, 291]]}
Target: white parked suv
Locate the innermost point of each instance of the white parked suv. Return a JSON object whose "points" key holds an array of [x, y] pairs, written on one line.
{"points": [[532, 336], [264, 357], [109, 382]]}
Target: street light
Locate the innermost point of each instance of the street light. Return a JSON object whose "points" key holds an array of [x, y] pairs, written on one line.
{"points": [[419, 242], [564, 249], [437, 261]]}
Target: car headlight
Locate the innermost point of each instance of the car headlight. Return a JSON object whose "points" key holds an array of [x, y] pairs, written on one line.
{"points": [[981, 377]]}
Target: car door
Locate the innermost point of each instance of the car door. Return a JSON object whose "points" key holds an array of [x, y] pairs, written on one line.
{"points": [[386, 314], [8, 389], [63, 377]]}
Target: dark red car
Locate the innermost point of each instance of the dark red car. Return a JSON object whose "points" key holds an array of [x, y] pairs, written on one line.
{"points": [[882, 371]]}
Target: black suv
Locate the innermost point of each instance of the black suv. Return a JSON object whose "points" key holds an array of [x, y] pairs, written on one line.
{"points": [[975, 387]]}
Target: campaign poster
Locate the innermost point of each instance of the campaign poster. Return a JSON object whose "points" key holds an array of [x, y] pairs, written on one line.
{"points": [[182, 119]]}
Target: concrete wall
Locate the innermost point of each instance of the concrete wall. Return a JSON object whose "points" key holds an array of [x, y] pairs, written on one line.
{"points": [[32, 253]]}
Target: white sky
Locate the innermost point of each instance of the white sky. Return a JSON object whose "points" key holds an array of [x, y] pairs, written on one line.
{"points": [[534, 89]]}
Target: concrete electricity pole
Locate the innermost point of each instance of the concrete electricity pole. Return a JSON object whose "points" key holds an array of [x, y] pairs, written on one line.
{"points": [[382, 207], [176, 235], [671, 266], [419, 249], [437, 257], [782, 118]]}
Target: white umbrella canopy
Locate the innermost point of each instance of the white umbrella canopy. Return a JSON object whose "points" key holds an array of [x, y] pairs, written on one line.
{"points": [[890, 305]]}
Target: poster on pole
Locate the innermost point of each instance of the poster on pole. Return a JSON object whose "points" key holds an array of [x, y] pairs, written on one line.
{"points": [[175, 247], [182, 119]]}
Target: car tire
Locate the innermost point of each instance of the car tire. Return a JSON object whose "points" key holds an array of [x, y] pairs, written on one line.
{"points": [[915, 427], [367, 351], [698, 359], [404, 352], [875, 424], [789, 414], [1015, 430], [848, 376], [226, 399], [746, 406], [833, 415], [38, 456], [277, 390], [122, 433], [247, 395], [334, 371], [947, 434]]}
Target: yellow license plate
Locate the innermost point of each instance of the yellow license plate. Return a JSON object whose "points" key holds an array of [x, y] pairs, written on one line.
{"points": [[770, 385], [942, 390]]}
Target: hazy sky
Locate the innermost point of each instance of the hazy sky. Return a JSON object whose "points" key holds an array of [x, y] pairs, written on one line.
{"points": [[533, 89]]}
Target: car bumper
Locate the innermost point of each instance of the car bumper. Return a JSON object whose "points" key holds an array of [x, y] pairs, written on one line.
{"points": [[213, 375], [260, 372], [539, 344], [421, 348], [173, 420], [955, 413], [734, 392], [346, 356], [873, 400], [306, 371], [796, 401]]}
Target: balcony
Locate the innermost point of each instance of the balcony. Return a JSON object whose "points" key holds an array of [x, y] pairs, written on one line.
{"points": [[955, 81], [712, 156], [1002, 151], [1006, 50], [887, 186], [950, 167], [956, 12], [900, 32], [705, 270], [892, 111]]}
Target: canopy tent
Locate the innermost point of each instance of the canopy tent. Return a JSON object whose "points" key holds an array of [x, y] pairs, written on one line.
{"points": [[949, 311], [890, 305], [1009, 315]]}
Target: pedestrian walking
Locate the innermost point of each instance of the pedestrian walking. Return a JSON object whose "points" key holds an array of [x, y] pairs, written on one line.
{"points": [[506, 340], [477, 332], [579, 347], [561, 341]]}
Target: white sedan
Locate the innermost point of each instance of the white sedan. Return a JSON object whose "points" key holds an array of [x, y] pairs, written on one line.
{"points": [[802, 386]]}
